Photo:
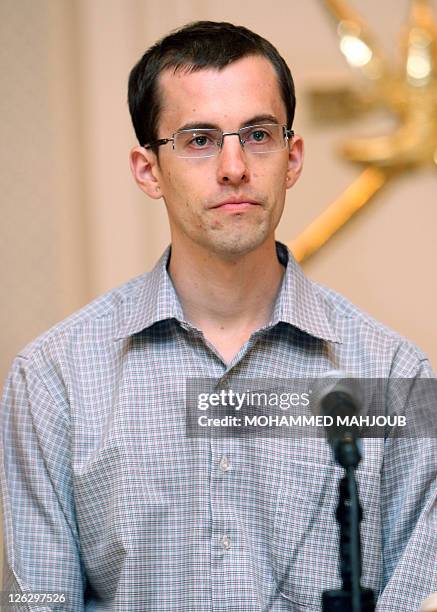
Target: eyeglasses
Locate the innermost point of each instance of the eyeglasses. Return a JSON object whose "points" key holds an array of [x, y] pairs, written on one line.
{"points": [[207, 142]]}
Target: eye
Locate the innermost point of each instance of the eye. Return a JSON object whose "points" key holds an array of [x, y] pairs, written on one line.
{"points": [[200, 141], [258, 136]]}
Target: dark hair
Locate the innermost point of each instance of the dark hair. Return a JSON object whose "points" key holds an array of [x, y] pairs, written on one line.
{"points": [[199, 45]]}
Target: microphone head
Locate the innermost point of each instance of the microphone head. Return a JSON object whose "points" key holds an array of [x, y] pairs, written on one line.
{"points": [[339, 397], [337, 392]]}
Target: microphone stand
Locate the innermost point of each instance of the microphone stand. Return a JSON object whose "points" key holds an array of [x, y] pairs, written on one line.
{"points": [[352, 597]]}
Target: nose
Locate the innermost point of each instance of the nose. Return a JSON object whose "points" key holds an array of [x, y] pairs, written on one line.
{"points": [[232, 167]]}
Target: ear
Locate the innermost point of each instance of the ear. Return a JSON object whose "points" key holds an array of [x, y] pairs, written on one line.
{"points": [[145, 170], [295, 160]]}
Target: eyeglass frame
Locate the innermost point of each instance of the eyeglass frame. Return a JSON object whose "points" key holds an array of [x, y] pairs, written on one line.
{"points": [[287, 134]]}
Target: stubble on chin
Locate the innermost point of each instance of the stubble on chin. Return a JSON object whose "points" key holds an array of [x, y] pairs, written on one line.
{"points": [[231, 242]]}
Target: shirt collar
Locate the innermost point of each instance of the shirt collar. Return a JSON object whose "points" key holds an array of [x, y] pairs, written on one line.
{"points": [[298, 302], [155, 300]]}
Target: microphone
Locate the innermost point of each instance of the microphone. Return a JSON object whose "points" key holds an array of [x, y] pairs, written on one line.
{"points": [[338, 398]]}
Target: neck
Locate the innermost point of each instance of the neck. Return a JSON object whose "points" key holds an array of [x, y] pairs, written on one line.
{"points": [[228, 295]]}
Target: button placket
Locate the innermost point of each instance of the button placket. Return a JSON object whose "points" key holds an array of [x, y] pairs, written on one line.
{"points": [[225, 542], [225, 464]]}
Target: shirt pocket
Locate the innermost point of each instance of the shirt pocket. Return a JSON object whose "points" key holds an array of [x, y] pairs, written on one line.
{"points": [[305, 542]]}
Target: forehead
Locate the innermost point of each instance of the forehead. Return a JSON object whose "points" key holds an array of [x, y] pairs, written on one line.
{"points": [[227, 98]]}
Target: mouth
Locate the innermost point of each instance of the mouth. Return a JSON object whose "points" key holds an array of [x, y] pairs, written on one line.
{"points": [[236, 205]]}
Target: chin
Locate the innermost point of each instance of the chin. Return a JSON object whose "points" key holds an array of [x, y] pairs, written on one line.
{"points": [[234, 246]]}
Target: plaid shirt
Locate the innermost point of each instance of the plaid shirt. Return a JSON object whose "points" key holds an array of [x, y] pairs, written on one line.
{"points": [[107, 500]]}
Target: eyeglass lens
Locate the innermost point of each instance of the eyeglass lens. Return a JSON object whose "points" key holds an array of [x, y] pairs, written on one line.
{"points": [[263, 138]]}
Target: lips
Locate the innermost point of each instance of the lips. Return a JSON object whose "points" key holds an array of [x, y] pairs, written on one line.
{"points": [[236, 204]]}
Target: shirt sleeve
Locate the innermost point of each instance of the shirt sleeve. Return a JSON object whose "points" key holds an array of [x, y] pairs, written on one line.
{"points": [[41, 543], [409, 516]]}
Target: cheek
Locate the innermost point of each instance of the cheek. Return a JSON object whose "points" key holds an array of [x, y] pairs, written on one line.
{"points": [[270, 174], [184, 180], [170, 180], [175, 189]]}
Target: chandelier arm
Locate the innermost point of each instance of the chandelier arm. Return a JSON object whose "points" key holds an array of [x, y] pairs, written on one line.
{"points": [[319, 231]]}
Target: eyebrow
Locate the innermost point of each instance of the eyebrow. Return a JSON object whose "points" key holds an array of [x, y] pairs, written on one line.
{"points": [[213, 126]]}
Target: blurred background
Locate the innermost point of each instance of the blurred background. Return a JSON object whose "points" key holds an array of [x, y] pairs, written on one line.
{"points": [[74, 224]]}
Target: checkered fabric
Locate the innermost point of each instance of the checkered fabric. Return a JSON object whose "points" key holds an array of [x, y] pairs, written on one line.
{"points": [[107, 500]]}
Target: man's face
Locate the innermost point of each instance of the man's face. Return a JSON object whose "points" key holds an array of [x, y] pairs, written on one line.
{"points": [[244, 93]]}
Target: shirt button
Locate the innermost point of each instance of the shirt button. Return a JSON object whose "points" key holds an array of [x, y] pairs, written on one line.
{"points": [[225, 464], [225, 542]]}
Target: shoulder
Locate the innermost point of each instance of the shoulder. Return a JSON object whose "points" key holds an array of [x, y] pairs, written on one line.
{"points": [[77, 357], [360, 331], [100, 319]]}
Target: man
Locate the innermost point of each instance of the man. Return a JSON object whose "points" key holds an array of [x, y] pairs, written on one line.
{"points": [[106, 499]]}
